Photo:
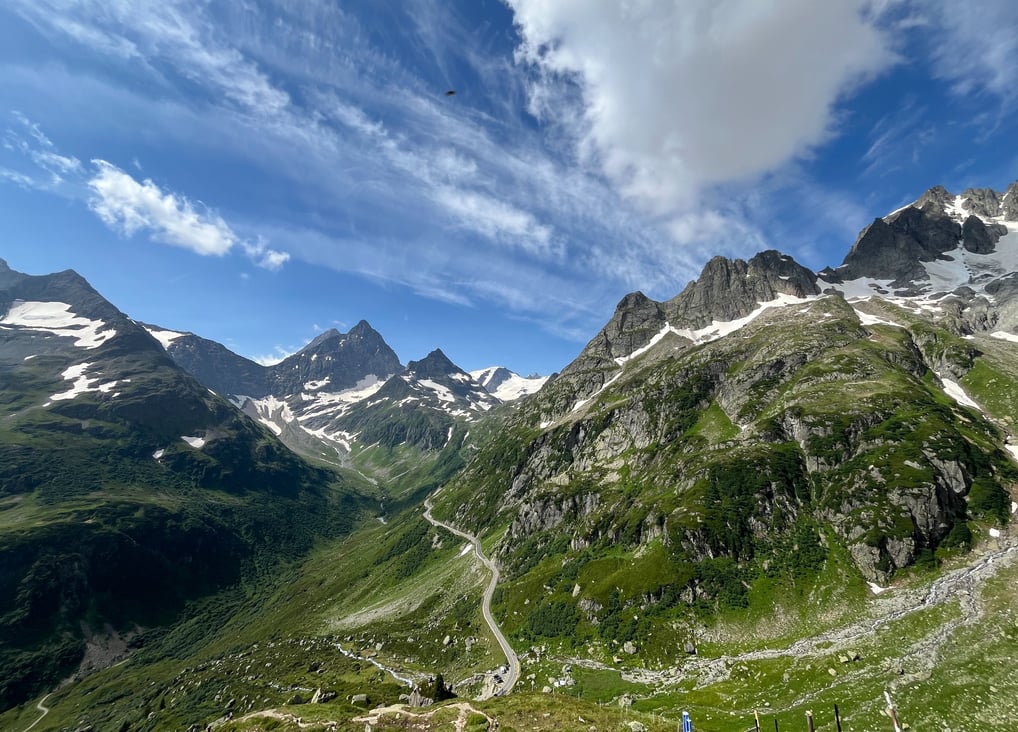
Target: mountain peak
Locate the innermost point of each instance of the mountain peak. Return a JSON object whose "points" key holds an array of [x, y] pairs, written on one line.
{"points": [[321, 338], [435, 363], [507, 385], [728, 289], [362, 328], [936, 197], [633, 301]]}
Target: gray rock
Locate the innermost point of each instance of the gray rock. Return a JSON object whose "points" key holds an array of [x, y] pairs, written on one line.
{"points": [[1009, 203], [730, 289], [321, 696], [894, 249]]}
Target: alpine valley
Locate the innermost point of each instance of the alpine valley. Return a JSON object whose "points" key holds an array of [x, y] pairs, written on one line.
{"points": [[778, 491]]}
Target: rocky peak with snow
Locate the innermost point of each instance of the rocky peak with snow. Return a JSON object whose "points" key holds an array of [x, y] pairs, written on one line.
{"points": [[942, 244], [954, 257], [732, 288], [437, 377], [727, 289], [435, 365], [894, 248], [506, 385], [340, 360]]}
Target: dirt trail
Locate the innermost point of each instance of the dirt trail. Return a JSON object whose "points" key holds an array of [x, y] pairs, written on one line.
{"points": [[512, 660], [44, 709], [464, 709]]}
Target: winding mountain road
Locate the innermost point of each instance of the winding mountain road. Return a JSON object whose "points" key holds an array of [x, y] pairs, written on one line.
{"points": [[510, 678]]}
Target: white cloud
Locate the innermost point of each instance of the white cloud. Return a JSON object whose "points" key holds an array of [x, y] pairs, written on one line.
{"points": [[271, 359], [271, 259], [126, 205], [681, 96], [974, 46]]}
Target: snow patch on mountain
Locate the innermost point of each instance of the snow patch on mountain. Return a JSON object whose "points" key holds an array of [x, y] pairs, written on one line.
{"points": [[57, 318], [339, 437], [720, 329], [953, 389], [272, 412], [335, 403], [956, 209], [1004, 336], [196, 442], [621, 360], [165, 337], [442, 392], [82, 384], [864, 288], [506, 385], [867, 319]]}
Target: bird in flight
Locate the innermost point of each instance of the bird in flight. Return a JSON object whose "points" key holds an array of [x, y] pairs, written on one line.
{"points": [[450, 93]]}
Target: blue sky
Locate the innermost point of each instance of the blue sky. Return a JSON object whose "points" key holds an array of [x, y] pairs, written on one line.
{"points": [[258, 171]]}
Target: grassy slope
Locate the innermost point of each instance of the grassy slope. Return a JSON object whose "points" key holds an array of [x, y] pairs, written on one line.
{"points": [[278, 629]]}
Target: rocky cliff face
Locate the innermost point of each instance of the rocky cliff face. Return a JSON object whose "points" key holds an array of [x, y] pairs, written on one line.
{"points": [[896, 248], [726, 290], [731, 289], [334, 359], [766, 408], [216, 366]]}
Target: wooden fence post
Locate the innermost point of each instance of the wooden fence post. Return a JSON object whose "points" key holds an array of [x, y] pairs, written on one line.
{"points": [[809, 721]]}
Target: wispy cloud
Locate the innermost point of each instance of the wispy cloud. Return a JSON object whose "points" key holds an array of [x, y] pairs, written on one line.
{"points": [[28, 140], [898, 138], [499, 221], [974, 48], [278, 353]]}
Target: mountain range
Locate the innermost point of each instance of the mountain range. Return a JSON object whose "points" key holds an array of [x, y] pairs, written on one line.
{"points": [[338, 385], [768, 433]]}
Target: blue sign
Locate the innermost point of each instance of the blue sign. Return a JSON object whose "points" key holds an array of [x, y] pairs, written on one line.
{"points": [[687, 723]]}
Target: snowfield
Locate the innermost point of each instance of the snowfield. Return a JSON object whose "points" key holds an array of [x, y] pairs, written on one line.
{"points": [[57, 318]]}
